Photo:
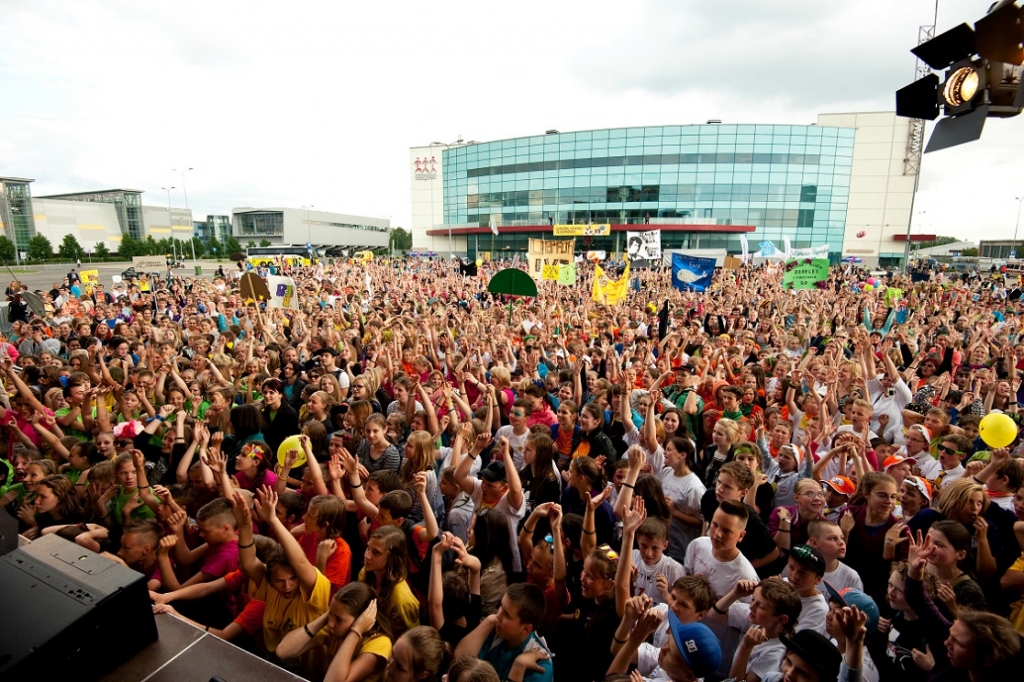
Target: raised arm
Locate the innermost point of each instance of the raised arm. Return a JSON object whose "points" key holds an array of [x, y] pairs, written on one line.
{"points": [[462, 471], [247, 561], [266, 502], [515, 486]]}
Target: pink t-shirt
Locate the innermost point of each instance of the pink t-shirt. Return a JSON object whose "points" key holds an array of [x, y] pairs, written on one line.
{"points": [[269, 479], [221, 559]]}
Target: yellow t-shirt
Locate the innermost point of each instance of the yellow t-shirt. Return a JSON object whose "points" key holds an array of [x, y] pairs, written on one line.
{"points": [[374, 643], [284, 615], [404, 610]]}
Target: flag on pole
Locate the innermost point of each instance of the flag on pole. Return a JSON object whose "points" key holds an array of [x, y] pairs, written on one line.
{"points": [[745, 254], [786, 245], [494, 226]]}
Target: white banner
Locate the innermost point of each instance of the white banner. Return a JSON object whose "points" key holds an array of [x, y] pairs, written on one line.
{"points": [[745, 248], [282, 293], [786, 246], [644, 245], [812, 252]]}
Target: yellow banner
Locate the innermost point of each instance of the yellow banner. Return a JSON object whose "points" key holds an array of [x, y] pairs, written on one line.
{"points": [[609, 291], [545, 255], [90, 278], [599, 230]]}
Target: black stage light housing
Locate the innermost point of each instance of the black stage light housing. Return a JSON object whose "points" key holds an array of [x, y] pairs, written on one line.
{"points": [[982, 77]]}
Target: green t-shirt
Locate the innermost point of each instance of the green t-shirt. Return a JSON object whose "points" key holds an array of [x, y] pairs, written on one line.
{"points": [[138, 514], [71, 430]]}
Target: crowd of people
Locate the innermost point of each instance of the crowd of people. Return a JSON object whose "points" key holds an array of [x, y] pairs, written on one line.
{"points": [[409, 477]]}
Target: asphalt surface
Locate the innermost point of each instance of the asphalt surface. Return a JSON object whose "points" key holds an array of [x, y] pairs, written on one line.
{"points": [[45, 276]]}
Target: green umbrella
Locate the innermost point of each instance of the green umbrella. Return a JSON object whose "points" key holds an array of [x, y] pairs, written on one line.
{"points": [[514, 282]]}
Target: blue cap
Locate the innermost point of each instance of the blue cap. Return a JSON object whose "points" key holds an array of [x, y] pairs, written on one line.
{"points": [[850, 596], [697, 644]]}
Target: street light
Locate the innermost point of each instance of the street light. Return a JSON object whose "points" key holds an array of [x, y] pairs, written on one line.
{"points": [[309, 239], [447, 146], [1013, 245], [170, 220], [184, 191]]}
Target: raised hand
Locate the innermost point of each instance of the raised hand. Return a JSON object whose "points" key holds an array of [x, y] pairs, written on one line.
{"points": [[325, 550], [266, 502], [167, 543], [366, 619], [240, 507], [176, 522], [634, 517], [595, 501]]}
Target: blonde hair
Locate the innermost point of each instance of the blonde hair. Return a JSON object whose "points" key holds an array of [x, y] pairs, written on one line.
{"points": [[502, 375], [732, 428]]}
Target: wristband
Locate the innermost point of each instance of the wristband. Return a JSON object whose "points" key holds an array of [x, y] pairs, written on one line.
{"points": [[353, 485], [627, 485], [783, 530], [247, 546], [306, 628], [589, 532], [620, 641], [718, 610], [158, 418], [531, 531]]}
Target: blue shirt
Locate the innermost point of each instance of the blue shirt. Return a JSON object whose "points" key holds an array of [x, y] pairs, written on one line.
{"points": [[501, 658]]}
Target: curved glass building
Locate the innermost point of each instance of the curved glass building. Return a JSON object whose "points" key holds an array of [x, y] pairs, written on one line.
{"points": [[702, 185]]}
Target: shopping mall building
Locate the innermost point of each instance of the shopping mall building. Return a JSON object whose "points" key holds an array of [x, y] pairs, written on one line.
{"points": [[842, 181]]}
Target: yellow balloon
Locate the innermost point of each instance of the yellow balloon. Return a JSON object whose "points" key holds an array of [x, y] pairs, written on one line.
{"points": [[291, 443], [997, 430], [479, 262]]}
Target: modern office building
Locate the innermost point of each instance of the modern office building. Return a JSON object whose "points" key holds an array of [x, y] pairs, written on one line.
{"points": [[329, 233], [842, 181], [16, 210], [127, 205]]}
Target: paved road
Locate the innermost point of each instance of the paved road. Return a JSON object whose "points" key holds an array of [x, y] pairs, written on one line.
{"points": [[44, 276]]}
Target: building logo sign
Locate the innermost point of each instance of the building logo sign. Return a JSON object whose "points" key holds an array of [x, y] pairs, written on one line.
{"points": [[592, 230], [425, 169]]}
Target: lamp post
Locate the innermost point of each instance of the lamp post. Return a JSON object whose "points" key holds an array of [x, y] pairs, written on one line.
{"points": [[170, 220], [1013, 244], [309, 240], [185, 192], [447, 146]]}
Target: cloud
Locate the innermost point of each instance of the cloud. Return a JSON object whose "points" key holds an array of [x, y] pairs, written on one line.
{"points": [[318, 102]]}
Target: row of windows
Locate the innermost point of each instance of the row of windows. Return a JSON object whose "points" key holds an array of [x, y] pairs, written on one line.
{"points": [[616, 243], [671, 132], [741, 158], [647, 193], [797, 217]]}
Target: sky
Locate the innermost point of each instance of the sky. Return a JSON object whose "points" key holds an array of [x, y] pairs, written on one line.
{"points": [[317, 103]]}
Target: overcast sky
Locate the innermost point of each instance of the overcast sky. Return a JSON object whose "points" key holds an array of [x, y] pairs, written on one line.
{"points": [[318, 102]]}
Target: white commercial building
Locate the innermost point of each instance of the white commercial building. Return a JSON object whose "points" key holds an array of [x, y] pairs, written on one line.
{"points": [[329, 233]]}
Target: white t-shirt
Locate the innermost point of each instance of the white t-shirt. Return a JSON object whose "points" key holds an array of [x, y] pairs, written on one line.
{"points": [[656, 459], [928, 465], [446, 461], [843, 576], [812, 614], [515, 444], [513, 515], [723, 575], [685, 493], [646, 576]]}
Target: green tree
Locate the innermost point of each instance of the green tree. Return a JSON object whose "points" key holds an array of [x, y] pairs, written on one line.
{"points": [[400, 239], [152, 248], [101, 250], [131, 247], [6, 248], [40, 248], [69, 248], [216, 248], [969, 252], [264, 242], [199, 246], [250, 244], [233, 246]]}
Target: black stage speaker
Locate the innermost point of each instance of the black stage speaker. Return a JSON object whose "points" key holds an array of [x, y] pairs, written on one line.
{"points": [[69, 613], [8, 533]]}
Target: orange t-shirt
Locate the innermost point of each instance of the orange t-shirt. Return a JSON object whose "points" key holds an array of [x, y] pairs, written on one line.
{"points": [[338, 568]]}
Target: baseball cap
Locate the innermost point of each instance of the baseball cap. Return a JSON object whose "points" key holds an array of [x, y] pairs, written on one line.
{"points": [[697, 644], [817, 652], [923, 486], [851, 596], [893, 460], [809, 557], [841, 484], [494, 473]]}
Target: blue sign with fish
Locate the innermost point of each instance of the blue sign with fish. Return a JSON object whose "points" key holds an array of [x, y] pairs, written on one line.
{"points": [[690, 273]]}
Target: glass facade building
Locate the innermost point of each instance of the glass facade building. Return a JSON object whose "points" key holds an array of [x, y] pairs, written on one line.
{"points": [[127, 203], [784, 180], [16, 214]]}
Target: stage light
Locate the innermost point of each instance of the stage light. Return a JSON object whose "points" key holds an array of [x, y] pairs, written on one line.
{"points": [[961, 87], [982, 77]]}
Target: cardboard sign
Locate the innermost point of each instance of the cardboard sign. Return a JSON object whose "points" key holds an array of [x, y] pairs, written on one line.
{"points": [[807, 273], [545, 255], [732, 263]]}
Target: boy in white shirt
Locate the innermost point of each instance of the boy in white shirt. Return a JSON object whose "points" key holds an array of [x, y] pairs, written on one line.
{"points": [[827, 538], [952, 451], [804, 570], [716, 556], [1002, 476]]}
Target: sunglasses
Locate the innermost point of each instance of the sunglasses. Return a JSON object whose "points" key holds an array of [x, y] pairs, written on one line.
{"points": [[948, 451]]}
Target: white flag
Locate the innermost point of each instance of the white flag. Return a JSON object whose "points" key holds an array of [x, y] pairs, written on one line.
{"points": [[494, 226], [745, 249], [785, 243], [369, 287]]}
